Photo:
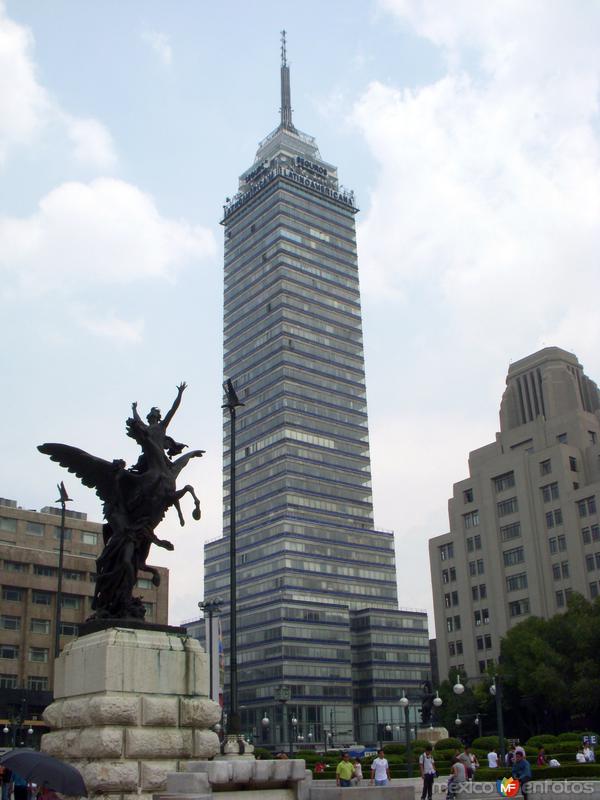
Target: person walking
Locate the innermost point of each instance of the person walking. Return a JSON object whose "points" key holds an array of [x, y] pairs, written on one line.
{"points": [[541, 761], [457, 779], [427, 768], [380, 769], [492, 758], [522, 771], [344, 771], [358, 776]]}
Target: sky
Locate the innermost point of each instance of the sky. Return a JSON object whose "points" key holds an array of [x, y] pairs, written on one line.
{"points": [[470, 134]]}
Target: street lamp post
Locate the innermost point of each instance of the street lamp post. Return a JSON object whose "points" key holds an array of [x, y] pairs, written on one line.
{"points": [[496, 692], [282, 695], [63, 499], [404, 704], [210, 607], [233, 719]]}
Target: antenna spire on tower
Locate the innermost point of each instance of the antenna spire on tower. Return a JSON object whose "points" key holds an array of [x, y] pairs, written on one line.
{"points": [[286, 102]]}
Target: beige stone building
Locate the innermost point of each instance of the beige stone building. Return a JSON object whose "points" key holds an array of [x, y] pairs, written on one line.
{"points": [[29, 545], [524, 526]]}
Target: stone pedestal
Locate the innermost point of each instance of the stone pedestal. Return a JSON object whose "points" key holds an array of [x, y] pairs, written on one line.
{"points": [[432, 735], [129, 706]]}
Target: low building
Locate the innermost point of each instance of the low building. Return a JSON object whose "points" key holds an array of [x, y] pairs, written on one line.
{"points": [[29, 549]]}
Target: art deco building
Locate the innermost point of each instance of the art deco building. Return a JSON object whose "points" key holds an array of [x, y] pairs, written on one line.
{"points": [[524, 526], [29, 545], [316, 583]]}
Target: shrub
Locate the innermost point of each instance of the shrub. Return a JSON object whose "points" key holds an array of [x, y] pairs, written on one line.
{"points": [[449, 744], [487, 742], [565, 737], [262, 752], [542, 740], [420, 744], [391, 748]]}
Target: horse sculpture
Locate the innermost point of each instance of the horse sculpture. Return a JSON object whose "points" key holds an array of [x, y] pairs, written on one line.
{"points": [[135, 501]]}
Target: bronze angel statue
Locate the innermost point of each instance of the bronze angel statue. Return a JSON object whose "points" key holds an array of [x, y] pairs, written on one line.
{"points": [[135, 501]]}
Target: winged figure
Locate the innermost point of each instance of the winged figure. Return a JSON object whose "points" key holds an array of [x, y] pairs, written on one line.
{"points": [[135, 501]]}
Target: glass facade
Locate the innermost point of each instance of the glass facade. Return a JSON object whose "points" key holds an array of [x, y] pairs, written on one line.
{"points": [[308, 558]]}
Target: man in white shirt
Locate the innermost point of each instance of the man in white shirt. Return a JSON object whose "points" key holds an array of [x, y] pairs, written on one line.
{"points": [[380, 770], [427, 767], [492, 758]]}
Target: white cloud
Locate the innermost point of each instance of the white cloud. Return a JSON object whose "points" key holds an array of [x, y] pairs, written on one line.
{"points": [[103, 232], [489, 181], [110, 326], [92, 142], [160, 44], [27, 109], [23, 102]]}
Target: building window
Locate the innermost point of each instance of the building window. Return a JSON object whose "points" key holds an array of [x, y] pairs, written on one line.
{"points": [[479, 641], [468, 495], [485, 614], [37, 683], [512, 531], [445, 576], [70, 601], [69, 629], [560, 599], [447, 602], [7, 524], [42, 569], [515, 582], [593, 437], [586, 506], [451, 648], [556, 572], [594, 589], [518, 607], [554, 518], [15, 566], [472, 568], [40, 626], [457, 622], [477, 618], [8, 681], [9, 651], [488, 641], [509, 506], [561, 438], [589, 563], [89, 538], [146, 583], [449, 624], [12, 593], [459, 648], [454, 598], [34, 528], [475, 593], [453, 572], [10, 623], [545, 467], [68, 533], [504, 482], [514, 556], [562, 543], [39, 654], [481, 665], [482, 591], [480, 569], [573, 463], [591, 534], [41, 598], [564, 568], [446, 551], [74, 575], [471, 520], [549, 492]]}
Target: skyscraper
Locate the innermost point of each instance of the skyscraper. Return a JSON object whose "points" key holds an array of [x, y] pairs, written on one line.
{"points": [[316, 583], [524, 525]]}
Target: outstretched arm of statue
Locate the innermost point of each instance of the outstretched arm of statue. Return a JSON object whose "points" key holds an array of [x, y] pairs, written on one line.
{"points": [[171, 413], [134, 412]]}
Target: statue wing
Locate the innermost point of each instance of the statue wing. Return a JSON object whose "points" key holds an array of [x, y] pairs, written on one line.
{"points": [[94, 472]]}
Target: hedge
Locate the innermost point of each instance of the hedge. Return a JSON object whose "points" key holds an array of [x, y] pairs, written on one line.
{"points": [[487, 742], [542, 740], [398, 749], [449, 744], [576, 771]]}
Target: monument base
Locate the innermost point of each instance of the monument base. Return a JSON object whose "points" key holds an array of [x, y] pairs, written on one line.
{"points": [[432, 735], [130, 706]]}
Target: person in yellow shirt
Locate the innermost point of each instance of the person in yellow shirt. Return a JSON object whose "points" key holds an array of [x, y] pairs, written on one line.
{"points": [[344, 771]]}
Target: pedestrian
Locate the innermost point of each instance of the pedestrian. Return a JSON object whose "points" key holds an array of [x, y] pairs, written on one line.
{"points": [[344, 771], [509, 758], [427, 768], [492, 758], [588, 753], [380, 769], [579, 757], [20, 787], [466, 757], [457, 779], [358, 776], [542, 761], [473, 763], [319, 767], [522, 771]]}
